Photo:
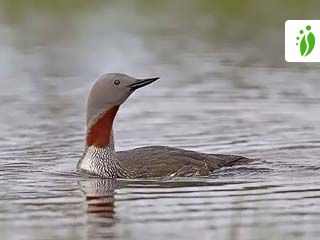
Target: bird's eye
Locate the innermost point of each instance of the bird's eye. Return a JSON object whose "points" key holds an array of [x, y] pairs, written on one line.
{"points": [[116, 82]]}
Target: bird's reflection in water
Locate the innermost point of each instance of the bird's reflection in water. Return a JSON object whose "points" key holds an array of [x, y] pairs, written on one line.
{"points": [[100, 196]]}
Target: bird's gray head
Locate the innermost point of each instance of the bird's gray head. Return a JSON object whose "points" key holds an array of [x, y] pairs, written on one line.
{"points": [[105, 97], [111, 90]]}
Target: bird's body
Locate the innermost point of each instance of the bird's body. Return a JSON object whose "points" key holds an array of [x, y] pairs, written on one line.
{"points": [[163, 161], [100, 157]]}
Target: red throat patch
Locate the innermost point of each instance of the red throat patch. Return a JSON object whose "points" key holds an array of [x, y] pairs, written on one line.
{"points": [[99, 133]]}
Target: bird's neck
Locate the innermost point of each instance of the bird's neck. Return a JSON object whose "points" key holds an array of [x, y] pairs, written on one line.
{"points": [[99, 133], [99, 157]]}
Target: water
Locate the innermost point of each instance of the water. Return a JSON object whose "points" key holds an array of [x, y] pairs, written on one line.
{"points": [[224, 88]]}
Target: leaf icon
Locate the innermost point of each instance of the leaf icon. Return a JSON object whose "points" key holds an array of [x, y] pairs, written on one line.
{"points": [[303, 46], [307, 45], [311, 41]]}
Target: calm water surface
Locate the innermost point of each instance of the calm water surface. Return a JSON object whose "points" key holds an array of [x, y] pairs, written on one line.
{"points": [[224, 88]]}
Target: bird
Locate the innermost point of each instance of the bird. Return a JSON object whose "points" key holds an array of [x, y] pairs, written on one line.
{"points": [[100, 158]]}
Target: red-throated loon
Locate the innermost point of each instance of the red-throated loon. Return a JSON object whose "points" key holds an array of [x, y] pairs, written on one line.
{"points": [[100, 158]]}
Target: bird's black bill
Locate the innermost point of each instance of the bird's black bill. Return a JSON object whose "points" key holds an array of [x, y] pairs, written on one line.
{"points": [[142, 82]]}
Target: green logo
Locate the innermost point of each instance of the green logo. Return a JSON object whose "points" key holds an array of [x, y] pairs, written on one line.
{"points": [[307, 41]]}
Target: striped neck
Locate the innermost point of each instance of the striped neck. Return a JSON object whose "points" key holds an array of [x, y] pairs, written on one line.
{"points": [[99, 157], [102, 162]]}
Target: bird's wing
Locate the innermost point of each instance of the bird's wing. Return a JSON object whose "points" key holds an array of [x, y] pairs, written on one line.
{"points": [[156, 161]]}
